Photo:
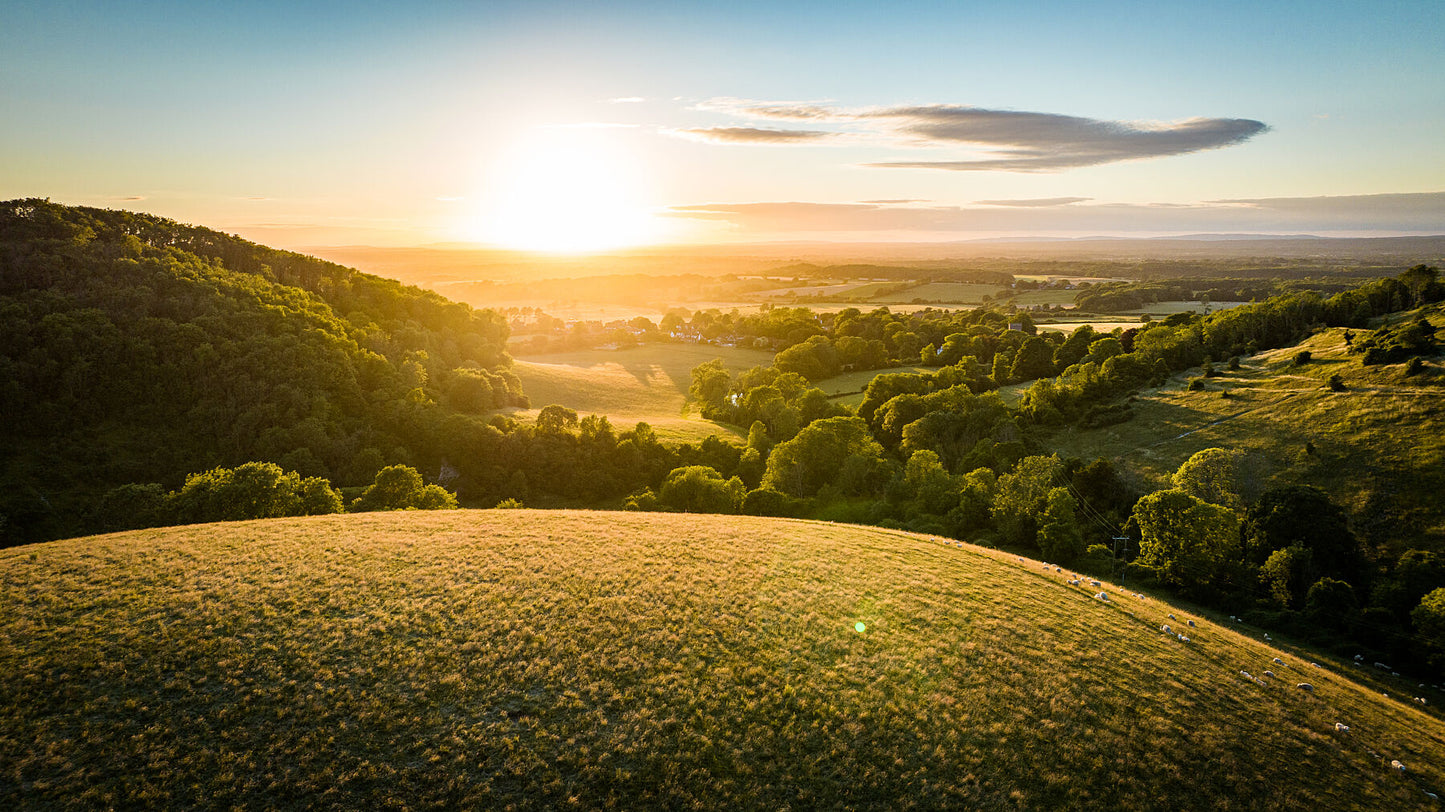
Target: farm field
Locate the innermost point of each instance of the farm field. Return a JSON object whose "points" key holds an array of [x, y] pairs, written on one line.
{"points": [[647, 383], [1375, 447], [488, 659], [955, 293]]}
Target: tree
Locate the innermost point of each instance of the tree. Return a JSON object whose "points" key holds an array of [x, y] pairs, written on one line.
{"points": [[400, 487], [1035, 359], [1303, 515], [1209, 476], [701, 489], [1061, 540], [255, 490], [1020, 498], [1429, 621], [1189, 542], [818, 455], [928, 485]]}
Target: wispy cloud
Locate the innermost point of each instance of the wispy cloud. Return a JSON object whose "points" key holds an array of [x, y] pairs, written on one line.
{"points": [[131, 198], [755, 135], [1034, 202], [997, 140]]}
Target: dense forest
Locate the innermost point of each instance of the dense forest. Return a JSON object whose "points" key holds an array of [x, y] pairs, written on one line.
{"points": [[137, 349]]}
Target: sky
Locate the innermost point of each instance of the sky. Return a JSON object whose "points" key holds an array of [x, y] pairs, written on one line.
{"points": [[590, 126]]}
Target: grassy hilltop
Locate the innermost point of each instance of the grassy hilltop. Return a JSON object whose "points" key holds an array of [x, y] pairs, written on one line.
{"points": [[543, 660]]}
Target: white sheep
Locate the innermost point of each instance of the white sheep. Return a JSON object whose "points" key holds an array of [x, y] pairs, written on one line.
{"points": [[1341, 727], [1058, 569], [1103, 597], [1421, 700], [1191, 624], [1278, 661], [1165, 629], [1314, 665], [1382, 666], [1359, 658], [1397, 765], [1183, 639], [1171, 615], [1305, 686], [1074, 583], [1269, 674], [1267, 637], [1095, 584]]}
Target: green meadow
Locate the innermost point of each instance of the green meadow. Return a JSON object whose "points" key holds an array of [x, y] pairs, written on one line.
{"points": [[1375, 445], [569, 659]]}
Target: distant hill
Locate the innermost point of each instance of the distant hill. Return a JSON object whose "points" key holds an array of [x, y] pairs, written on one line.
{"points": [[137, 349], [541, 660], [1375, 446]]}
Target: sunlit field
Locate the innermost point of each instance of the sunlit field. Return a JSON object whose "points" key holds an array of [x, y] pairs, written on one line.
{"points": [[1376, 446], [491, 659], [647, 383]]}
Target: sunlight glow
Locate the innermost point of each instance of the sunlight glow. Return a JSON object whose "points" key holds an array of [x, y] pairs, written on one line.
{"points": [[565, 190]]}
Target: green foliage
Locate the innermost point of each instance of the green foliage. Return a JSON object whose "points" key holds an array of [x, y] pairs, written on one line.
{"points": [[510, 504], [1021, 497], [835, 450], [133, 506], [1190, 543], [768, 502], [1060, 538], [1429, 621], [400, 487], [1210, 476], [255, 490], [700, 489], [1391, 345], [165, 349], [1301, 358]]}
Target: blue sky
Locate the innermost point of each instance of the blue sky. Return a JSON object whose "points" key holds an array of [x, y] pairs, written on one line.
{"points": [[564, 125]]}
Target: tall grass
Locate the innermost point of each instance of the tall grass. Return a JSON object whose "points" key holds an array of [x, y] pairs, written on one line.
{"points": [[521, 659]]}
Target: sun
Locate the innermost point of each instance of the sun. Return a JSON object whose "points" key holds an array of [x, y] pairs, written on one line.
{"points": [[566, 190]]}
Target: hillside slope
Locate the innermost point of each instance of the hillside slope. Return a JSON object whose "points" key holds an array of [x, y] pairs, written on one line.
{"points": [[1375, 446], [137, 349], [541, 660]]}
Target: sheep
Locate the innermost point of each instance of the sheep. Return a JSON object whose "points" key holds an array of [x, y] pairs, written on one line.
{"points": [[1341, 727], [1421, 700], [1103, 597], [1314, 665], [1359, 658], [1382, 666], [1171, 616], [1183, 639], [1278, 661], [1305, 686], [1267, 637], [1074, 583], [1058, 569], [1397, 765], [1191, 624], [1269, 674], [1165, 629], [1095, 584], [1432, 796]]}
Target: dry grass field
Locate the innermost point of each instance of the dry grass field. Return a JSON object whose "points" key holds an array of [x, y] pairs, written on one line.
{"points": [[543, 660], [647, 383]]}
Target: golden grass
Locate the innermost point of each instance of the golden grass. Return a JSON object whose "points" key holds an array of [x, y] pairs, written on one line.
{"points": [[647, 383], [496, 659]]}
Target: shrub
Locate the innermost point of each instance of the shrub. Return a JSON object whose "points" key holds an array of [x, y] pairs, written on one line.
{"points": [[1301, 358], [1196, 384], [1336, 383], [400, 487], [510, 504], [1414, 367]]}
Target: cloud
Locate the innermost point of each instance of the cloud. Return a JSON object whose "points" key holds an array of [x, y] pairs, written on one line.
{"points": [[1422, 213], [1003, 140], [754, 135], [131, 198], [590, 125], [895, 201], [1034, 202]]}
